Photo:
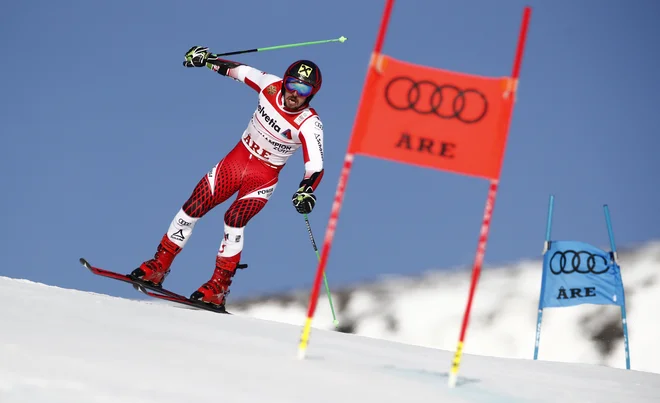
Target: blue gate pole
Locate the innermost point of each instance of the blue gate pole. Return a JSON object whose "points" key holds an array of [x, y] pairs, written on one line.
{"points": [[615, 257], [546, 245]]}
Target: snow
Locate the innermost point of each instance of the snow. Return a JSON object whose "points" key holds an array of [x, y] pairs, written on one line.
{"points": [[63, 345]]}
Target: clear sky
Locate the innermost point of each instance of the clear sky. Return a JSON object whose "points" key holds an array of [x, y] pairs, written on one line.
{"points": [[104, 134]]}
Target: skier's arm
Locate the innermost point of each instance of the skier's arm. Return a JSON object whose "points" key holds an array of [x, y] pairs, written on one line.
{"points": [[240, 72], [311, 138], [199, 56]]}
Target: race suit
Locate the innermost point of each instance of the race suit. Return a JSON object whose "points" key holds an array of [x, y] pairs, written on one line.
{"points": [[252, 167]]}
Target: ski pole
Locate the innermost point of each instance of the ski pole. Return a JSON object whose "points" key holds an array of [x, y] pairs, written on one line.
{"points": [[291, 45], [325, 279]]}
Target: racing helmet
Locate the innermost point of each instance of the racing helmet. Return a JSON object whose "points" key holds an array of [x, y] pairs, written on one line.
{"points": [[304, 77]]}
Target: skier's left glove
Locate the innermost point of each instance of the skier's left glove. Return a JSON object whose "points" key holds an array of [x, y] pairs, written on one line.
{"points": [[196, 56], [304, 199]]}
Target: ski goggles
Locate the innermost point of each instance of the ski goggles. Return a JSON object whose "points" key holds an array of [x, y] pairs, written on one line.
{"points": [[291, 84]]}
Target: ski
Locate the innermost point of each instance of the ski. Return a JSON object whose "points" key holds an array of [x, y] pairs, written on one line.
{"points": [[152, 290], [137, 284], [187, 301]]}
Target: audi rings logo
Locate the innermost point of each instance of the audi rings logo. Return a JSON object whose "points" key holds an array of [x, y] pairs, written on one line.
{"points": [[446, 101], [570, 261]]}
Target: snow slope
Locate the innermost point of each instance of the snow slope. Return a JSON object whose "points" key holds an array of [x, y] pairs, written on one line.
{"points": [[427, 311], [60, 345]]}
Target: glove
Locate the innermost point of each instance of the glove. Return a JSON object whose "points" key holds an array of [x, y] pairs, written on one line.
{"points": [[196, 56], [304, 199]]}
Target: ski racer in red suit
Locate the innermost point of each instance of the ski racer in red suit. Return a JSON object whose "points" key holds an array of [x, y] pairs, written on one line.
{"points": [[282, 122]]}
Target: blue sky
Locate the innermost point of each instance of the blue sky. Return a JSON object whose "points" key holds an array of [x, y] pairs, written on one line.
{"points": [[105, 134]]}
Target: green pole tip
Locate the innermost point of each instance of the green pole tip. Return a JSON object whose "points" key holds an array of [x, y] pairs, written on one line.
{"points": [[342, 39], [336, 322]]}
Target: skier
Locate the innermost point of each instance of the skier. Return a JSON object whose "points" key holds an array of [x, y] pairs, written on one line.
{"points": [[282, 122]]}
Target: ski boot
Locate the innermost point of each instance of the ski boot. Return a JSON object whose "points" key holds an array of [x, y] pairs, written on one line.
{"points": [[215, 290], [155, 270]]}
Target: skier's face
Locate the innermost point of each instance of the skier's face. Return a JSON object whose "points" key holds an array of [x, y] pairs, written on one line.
{"points": [[295, 93], [292, 100]]}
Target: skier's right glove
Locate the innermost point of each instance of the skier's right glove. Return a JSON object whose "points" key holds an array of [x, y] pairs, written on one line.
{"points": [[199, 56], [304, 199], [196, 56]]}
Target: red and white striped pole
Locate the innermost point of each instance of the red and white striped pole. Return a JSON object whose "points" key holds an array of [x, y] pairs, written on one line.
{"points": [[339, 196], [490, 205]]}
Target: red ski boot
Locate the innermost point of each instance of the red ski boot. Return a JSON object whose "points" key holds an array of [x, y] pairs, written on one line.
{"points": [[155, 270], [215, 290]]}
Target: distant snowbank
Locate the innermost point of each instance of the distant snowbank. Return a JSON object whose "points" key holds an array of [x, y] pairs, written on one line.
{"points": [[428, 310]]}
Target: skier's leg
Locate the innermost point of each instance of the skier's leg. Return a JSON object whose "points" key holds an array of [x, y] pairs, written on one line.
{"points": [[255, 191], [215, 187]]}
